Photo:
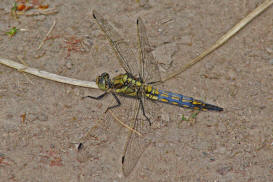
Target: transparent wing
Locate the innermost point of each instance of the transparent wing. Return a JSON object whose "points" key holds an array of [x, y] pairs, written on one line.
{"points": [[123, 113], [130, 114], [124, 53], [140, 132], [149, 70], [136, 144]]}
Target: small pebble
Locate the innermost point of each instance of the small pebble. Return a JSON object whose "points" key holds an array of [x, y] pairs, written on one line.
{"points": [[165, 117], [269, 50], [42, 117], [186, 40], [68, 65], [224, 170], [231, 75], [40, 18]]}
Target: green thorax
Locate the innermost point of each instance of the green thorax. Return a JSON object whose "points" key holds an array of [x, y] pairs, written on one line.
{"points": [[126, 84]]}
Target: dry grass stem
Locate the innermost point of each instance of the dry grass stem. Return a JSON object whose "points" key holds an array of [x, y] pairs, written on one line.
{"points": [[224, 38], [50, 30], [47, 75]]}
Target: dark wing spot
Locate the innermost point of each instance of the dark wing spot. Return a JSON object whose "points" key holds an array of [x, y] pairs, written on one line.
{"points": [[122, 159], [80, 146]]}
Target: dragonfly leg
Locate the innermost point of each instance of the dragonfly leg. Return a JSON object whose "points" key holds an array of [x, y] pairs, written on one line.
{"points": [[97, 98], [155, 82], [117, 105], [143, 111]]}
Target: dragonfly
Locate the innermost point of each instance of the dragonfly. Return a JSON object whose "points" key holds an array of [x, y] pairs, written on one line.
{"points": [[135, 90]]}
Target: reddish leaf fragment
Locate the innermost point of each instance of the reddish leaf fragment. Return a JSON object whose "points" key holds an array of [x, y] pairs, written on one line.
{"points": [[43, 6], [56, 162]]}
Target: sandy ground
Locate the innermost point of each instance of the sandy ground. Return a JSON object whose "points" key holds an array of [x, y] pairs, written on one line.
{"points": [[42, 122]]}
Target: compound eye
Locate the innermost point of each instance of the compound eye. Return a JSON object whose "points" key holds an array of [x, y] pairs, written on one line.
{"points": [[105, 75]]}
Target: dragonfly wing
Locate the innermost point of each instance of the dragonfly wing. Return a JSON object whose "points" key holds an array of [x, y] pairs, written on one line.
{"points": [[147, 60], [136, 144], [123, 51], [130, 114]]}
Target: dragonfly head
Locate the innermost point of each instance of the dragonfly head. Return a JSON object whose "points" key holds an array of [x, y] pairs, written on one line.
{"points": [[104, 82]]}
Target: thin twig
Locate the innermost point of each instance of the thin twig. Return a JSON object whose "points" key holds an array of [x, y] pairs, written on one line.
{"points": [[123, 124], [224, 38], [42, 12], [50, 30], [47, 75], [24, 63]]}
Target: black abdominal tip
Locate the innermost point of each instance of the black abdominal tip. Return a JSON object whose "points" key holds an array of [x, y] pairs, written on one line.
{"points": [[213, 107], [94, 16], [137, 21]]}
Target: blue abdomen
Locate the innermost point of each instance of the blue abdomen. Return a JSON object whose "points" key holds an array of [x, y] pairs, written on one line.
{"points": [[184, 101]]}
